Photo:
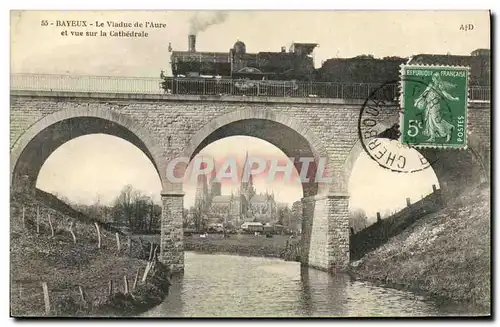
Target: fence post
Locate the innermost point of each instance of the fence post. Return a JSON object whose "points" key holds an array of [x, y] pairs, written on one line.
{"points": [[110, 287], [118, 241], [98, 235], [38, 219], [135, 279], [438, 194], [154, 253], [125, 283], [71, 231], [151, 251], [82, 294], [51, 227], [146, 271], [23, 215], [408, 202], [46, 297]]}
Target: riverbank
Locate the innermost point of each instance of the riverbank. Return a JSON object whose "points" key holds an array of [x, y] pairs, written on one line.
{"points": [[54, 274], [446, 254], [256, 246], [242, 244]]}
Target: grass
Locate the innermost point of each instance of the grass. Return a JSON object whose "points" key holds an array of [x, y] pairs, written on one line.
{"points": [[446, 253], [66, 266]]}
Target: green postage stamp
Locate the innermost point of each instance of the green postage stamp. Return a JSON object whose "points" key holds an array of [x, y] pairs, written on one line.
{"points": [[434, 102]]}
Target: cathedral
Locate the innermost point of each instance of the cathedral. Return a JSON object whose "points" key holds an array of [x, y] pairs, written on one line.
{"points": [[246, 205]]}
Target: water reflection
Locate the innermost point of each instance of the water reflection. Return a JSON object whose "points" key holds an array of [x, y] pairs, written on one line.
{"points": [[322, 294], [237, 286]]}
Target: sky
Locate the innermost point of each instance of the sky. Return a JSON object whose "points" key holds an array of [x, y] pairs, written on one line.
{"points": [[43, 50], [37, 49], [371, 188]]}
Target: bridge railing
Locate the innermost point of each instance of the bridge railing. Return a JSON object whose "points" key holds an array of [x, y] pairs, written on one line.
{"points": [[480, 93], [274, 88], [85, 83], [190, 86]]}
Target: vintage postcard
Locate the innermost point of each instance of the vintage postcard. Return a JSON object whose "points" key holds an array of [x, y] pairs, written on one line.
{"points": [[227, 164]]}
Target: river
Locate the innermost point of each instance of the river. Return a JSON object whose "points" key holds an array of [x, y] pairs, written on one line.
{"points": [[219, 285]]}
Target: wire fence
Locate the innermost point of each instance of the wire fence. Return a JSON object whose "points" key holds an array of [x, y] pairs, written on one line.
{"points": [[52, 229]]}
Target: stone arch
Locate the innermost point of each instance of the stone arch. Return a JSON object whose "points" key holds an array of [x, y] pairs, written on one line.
{"points": [[30, 150], [292, 135], [220, 126], [446, 166]]}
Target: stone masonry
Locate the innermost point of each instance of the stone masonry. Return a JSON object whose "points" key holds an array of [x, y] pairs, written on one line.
{"points": [[167, 126], [172, 247]]}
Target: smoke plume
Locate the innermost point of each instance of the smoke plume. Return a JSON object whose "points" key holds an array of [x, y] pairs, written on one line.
{"points": [[200, 21]]}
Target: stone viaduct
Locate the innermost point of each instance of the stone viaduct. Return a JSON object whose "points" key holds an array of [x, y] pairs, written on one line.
{"points": [[168, 126]]}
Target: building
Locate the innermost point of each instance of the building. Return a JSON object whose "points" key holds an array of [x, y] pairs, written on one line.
{"points": [[244, 206]]}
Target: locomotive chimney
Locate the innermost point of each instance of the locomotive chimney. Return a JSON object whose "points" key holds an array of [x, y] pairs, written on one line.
{"points": [[192, 43]]}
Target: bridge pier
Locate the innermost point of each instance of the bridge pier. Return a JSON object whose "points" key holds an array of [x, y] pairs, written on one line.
{"points": [[172, 245], [325, 232]]}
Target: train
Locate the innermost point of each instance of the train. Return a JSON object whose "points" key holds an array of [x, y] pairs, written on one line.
{"points": [[292, 72], [237, 63]]}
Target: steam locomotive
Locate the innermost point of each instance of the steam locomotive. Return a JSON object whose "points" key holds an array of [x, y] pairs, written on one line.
{"points": [[237, 63]]}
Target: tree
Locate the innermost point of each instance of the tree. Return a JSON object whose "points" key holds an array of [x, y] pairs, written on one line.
{"points": [[185, 218], [365, 56], [136, 210], [123, 207], [198, 217], [151, 214], [284, 214], [297, 214], [358, 220]]}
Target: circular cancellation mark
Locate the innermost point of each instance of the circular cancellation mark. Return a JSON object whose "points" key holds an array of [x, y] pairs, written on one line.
{"points": [[379, 130]]}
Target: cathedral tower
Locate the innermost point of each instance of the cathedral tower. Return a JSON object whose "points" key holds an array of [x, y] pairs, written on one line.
{"points": [[215, 187], [246, 188], [201, 196]]}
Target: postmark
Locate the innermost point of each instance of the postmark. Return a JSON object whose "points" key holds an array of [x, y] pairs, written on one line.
{"points": [[379, 131], [434, 102]]}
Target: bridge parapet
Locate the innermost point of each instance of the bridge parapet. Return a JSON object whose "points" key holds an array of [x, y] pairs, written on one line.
{"points": [[209, 87]]}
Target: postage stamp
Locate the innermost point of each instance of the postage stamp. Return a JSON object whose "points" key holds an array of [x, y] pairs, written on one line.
{"points": [[434, 101]]}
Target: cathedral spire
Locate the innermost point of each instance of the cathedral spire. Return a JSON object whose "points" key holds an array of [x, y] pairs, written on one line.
{"points": [[244, 167], [243, 184], [201, 195]]}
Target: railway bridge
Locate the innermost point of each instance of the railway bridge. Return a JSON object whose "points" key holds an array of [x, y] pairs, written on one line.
{"points": [[46, 111]]}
